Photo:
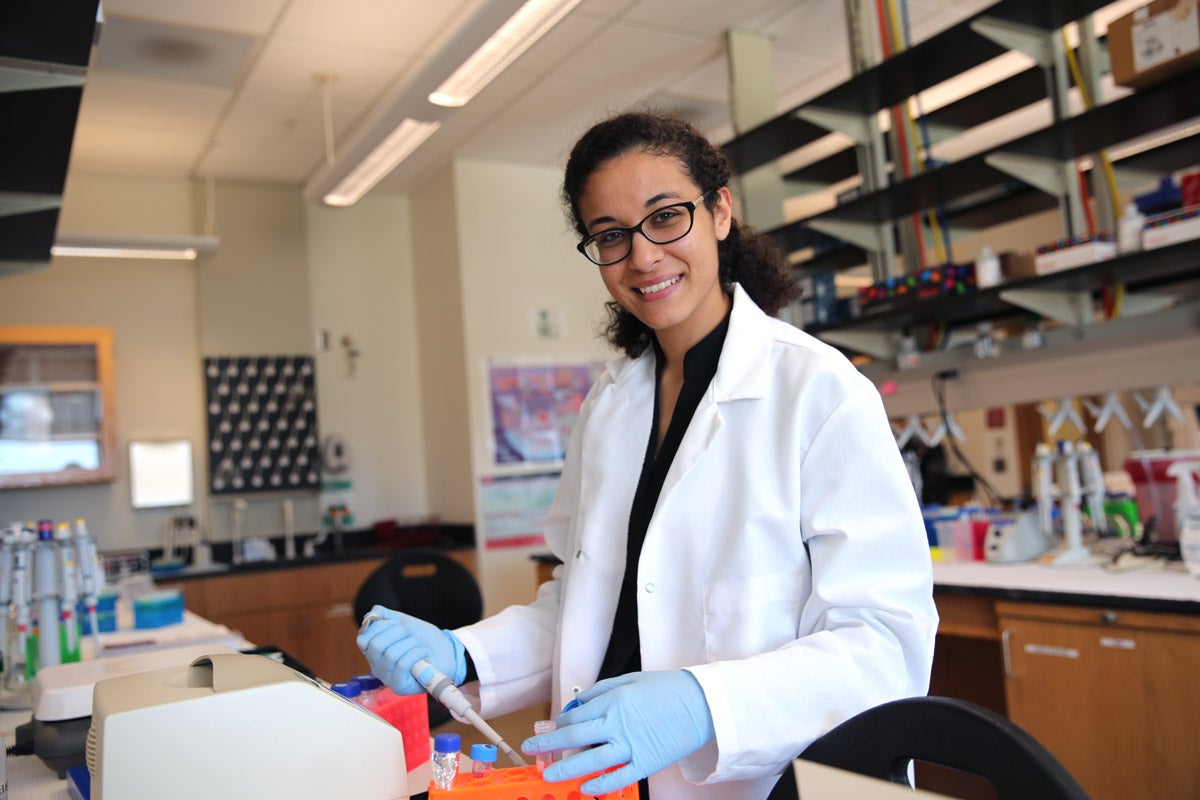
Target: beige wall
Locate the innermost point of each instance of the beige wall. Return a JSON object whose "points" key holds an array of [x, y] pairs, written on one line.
{"points": [[516, 256], [281, 271]]}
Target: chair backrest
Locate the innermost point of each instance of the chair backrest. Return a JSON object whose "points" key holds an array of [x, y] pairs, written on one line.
{"points": [[426, 583], [947, 732]]}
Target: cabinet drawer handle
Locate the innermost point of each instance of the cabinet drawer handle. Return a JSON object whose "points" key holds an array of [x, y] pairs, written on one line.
{"points": [[340, 610], [1006, 652], [1108, 618]]}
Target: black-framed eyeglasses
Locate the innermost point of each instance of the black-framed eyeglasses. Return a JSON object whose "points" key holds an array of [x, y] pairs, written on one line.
{"points": [[661, 226]]}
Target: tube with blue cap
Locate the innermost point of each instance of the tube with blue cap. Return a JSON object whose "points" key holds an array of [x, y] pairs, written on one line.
{"points": [[445, 692]]}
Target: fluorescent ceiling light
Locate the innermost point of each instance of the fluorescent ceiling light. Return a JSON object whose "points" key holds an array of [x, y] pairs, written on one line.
{"points": [[407, 137], [98, 245], [530, 23]]}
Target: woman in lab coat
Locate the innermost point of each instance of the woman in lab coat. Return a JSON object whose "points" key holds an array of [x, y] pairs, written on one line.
{"points": [[744, 560]]}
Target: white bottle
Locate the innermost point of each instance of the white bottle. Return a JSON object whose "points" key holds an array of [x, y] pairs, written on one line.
{"points": [[1187, 512], [1129, 229], [987, 268]]}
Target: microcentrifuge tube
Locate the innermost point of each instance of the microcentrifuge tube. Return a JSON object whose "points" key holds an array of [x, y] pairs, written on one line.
{"points": [[483, 758], [445, 759], [544, 759]]}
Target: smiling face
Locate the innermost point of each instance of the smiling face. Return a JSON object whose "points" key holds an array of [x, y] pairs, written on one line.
{"points": [[674, 288]]}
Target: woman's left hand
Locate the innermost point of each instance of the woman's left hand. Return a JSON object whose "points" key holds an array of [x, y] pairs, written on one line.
{"points": [[644, 720]]}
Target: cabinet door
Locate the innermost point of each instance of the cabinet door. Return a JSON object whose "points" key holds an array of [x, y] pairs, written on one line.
{"points": [[1105, 701], [282, 628], [329, 648]]}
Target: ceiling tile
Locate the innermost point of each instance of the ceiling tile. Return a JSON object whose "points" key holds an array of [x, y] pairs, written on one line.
{"points": [[246, 16], [283, 162], [136, 152], [114, 99], [172, 52], [706, 17], [288, 118], [289, 67], [377, 26]]}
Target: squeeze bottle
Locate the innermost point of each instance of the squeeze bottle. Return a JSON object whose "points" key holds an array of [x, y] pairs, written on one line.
{"points": [[1187, 512]]}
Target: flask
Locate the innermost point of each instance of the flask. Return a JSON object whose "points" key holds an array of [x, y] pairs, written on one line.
{"points": [[544, 759], [483, 758], [445, 759], [1129, 229], [371, 687]]}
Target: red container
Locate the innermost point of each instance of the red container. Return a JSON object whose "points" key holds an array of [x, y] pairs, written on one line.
{"points": [[408, 714], [1157, 499]]}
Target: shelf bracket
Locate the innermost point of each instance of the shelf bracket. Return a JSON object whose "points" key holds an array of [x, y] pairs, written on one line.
{"points": [[1033, 42], [1134, 305], [868, 236], [879, 345], [1071, 308], [856, 126], [1041, 173], [13, 203], [21, 75]]}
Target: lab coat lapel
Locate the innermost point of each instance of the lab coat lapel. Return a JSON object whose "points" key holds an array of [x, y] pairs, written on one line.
{"points": [[741, 374]]}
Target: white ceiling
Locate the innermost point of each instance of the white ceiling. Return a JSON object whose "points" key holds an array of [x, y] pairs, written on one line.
{"points": [[179, 88]]}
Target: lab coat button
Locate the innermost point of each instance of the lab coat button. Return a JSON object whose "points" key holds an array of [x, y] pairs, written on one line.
{"points": [[649, 588], [579, 554]]}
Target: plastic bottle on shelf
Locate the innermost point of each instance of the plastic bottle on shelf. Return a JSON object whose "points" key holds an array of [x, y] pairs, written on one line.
{"points": [[987, 268], [1129, 229], [1187, 512], [444, 759], [483, 759]]}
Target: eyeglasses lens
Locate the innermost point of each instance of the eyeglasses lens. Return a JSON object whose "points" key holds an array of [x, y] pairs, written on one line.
{"points": [[661, 226]]}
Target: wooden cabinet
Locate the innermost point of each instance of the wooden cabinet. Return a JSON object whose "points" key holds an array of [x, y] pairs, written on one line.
{"points": [[57, 406], [1112, 693], [306, 611]]}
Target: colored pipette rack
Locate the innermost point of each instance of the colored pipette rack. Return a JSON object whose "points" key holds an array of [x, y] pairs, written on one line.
{"points": [[515, 783]]}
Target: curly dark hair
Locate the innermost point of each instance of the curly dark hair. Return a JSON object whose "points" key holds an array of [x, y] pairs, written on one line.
{"points": [[746, 257]]}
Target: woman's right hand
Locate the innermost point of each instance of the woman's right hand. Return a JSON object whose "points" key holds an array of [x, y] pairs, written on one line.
{"points": [[393, 642]]}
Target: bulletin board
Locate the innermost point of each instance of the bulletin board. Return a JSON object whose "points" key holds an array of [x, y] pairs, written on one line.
{"points": [[262, 424], [533, 408], [513, 508]]}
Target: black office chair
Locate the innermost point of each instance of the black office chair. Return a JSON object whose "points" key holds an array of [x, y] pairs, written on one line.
{"points": [[428, 584], [882, 740]]}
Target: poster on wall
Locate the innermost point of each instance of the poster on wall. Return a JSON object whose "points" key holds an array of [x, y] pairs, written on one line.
{"points": [[534, 407], [262, 424], [513, 508]]}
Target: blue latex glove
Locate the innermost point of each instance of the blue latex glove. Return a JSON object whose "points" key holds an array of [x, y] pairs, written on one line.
{"points": [[644, 720], [397, 641]]}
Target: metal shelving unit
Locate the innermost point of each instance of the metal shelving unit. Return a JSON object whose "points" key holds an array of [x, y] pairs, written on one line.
{"points": [[44, 54], [1026, 175]]}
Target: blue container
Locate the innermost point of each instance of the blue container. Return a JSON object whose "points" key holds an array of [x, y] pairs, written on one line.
{"points": [[157, 609], [106, 613]]}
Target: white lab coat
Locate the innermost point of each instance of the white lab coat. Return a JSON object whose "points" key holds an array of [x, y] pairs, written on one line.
{"points": [[786, 564]]}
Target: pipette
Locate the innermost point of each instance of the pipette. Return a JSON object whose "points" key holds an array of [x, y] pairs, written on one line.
{"points": [[445, 692]]}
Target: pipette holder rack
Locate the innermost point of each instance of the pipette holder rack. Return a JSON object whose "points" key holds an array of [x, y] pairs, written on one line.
{"points": [[520, 783]]}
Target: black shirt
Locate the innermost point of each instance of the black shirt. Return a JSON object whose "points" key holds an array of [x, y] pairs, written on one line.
{"points": [[699, 367]]}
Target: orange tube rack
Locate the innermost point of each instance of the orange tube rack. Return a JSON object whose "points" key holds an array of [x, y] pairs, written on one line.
{"points": [[521, 783]]}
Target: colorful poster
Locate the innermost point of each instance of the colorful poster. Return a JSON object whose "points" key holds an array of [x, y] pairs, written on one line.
{"points": [[534, 408], [513, 508]]}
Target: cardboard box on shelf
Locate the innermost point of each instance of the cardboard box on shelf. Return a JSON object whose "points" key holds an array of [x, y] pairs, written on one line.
{"points": [[1017, 266], [1154, 42]]}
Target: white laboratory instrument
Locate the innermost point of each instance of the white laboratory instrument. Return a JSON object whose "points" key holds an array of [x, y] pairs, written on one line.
{"points": [[1014, 538], [237, 726], [1070, 492]]}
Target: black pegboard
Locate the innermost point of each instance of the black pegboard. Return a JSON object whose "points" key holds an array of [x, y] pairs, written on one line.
{"points": [[262, 424]]}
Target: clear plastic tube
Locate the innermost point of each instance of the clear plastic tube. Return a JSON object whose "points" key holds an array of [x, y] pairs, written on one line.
{"points": [[544, 759], [444, 759], [483, 758]]}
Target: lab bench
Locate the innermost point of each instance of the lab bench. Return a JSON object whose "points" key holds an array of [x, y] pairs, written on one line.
{"points": [[1100, 667], [305, 607]]}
